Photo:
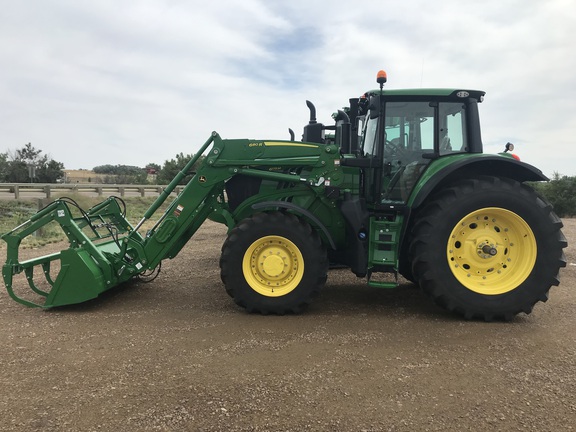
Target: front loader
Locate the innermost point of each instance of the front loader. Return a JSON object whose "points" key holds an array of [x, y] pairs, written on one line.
{"points": [[398, 185]]}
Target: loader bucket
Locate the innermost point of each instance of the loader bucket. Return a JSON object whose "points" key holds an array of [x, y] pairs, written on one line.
{"points": [[79, 273]]}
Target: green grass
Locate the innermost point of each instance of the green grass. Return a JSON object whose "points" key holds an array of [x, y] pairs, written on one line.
{"points": [[13, 213], [16, 212]]}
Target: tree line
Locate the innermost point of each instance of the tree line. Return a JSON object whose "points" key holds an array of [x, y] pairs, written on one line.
{"points": [[28, 164], [560, 191]]}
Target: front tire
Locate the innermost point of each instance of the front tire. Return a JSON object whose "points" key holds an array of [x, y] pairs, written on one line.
{"points": [[487, 248], [273, 263]]}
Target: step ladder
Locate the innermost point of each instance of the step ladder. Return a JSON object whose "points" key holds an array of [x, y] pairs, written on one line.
{"points": [[383, 249]]}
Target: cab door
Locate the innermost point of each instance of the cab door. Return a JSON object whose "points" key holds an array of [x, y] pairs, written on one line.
{"points": [[415, 133]]}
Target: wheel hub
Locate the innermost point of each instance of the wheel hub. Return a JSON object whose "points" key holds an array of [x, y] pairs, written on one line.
{"points": [[487, 250], [273, 264]]}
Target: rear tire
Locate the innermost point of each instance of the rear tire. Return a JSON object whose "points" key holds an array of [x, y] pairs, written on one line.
{"points": [[273, 263], [487, 248]]}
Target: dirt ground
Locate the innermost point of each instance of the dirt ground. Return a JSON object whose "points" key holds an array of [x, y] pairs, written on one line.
{"points": [[178, 355]]}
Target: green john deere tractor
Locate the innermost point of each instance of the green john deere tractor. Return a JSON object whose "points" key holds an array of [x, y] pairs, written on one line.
{"points": [[397, 185]]}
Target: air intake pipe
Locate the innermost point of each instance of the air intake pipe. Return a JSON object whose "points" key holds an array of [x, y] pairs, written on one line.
{"points": [[343, 132]]}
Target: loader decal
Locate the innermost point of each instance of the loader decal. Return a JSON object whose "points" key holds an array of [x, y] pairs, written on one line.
{"points": [[288, 144], [178, 210]]}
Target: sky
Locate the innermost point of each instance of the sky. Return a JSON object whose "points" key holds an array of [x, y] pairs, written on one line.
{"points": [[134, 82]]}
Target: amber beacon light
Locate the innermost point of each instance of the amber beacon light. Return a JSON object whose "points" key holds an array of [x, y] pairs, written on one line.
{"points": [[381, 77]]}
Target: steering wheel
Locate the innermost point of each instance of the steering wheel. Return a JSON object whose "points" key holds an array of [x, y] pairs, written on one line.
{"points": [[393, 149]]}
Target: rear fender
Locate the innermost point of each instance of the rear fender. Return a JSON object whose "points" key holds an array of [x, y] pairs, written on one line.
{"points": [[443, 172]]}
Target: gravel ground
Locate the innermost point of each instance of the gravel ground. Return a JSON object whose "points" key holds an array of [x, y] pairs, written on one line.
{"points": [[178, 355]]}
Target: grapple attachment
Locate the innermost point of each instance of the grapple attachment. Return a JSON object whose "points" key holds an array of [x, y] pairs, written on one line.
{"points": [[93, 263]]}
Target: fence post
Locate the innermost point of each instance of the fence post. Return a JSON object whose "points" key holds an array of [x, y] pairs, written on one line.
{"points": [[16, 191], [47, 190]]}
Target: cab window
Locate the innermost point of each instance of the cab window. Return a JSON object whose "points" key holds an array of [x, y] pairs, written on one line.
{"points": [[409, 127], [412, 130], [452, 136]]}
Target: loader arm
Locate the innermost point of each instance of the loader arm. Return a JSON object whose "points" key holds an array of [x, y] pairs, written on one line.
{"points": [[203, 195]]}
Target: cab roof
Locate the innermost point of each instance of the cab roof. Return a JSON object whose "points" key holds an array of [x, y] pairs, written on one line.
{"points": [[431, 92]]}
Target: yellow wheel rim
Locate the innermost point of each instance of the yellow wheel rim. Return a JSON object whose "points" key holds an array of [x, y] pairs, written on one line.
{"points": [[491, 251], [273, 266]]}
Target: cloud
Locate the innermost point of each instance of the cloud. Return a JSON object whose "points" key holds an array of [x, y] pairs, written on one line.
{"points": [[133, 82]]}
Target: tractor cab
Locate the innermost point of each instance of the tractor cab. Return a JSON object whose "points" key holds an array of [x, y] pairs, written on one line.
{"points": [[401, 131]]}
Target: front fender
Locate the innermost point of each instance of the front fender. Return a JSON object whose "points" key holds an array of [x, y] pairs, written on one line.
{"points": [[301, 211], [448, 169]]}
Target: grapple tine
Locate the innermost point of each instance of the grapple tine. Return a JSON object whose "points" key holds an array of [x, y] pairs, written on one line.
{"points": [[46, 270], [30, 276]]}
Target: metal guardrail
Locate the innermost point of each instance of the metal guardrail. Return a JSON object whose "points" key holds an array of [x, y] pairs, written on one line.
{"points": [[34, 190]]}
